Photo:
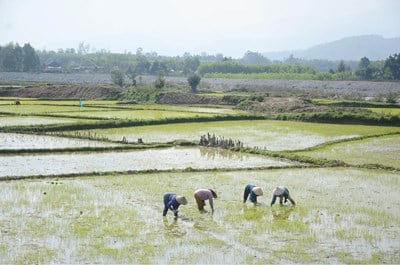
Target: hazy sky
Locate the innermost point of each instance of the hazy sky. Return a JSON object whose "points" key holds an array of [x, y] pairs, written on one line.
{"points": [[172, 27]]}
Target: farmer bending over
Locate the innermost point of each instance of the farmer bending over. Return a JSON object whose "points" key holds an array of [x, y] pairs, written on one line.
{"points": [[253, 191], [172, 202], [201, 195], [281, 192]]}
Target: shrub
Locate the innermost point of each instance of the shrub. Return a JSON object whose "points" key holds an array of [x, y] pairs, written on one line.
{"points": [[117, 77], [194, 81]]}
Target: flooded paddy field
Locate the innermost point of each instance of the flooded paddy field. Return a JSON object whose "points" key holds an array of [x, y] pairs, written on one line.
{"points": [[187, 108], [30, 141], [379, 150], [45, 109], [342, 216], [136, 114], [34, 120], [140, 160], [111, 210], [271, 135]]}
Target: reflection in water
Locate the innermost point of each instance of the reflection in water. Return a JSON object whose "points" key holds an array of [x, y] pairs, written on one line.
{"points": [[281, 213], [172, 228], [213, 153]]}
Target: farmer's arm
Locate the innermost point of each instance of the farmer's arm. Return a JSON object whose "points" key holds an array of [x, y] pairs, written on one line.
{"points": [[255, 200], [211, 204], [291, 200], [171, 205]]}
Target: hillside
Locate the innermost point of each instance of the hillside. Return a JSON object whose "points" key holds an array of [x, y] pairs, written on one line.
{"points": [[374, 47]]}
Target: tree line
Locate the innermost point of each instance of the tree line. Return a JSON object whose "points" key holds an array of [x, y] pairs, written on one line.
{"points": [[14, 58]]}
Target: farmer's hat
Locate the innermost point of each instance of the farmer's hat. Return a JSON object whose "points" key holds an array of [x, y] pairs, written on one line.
{"points": [[213, 193], [257, 191], [181, 200]]}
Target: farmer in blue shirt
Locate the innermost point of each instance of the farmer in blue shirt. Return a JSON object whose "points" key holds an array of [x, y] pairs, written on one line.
{"points": [[283, 193], [253, 191], [172, 202]]}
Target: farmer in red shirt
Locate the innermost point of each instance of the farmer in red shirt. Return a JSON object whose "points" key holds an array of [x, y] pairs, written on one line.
{"points": [[201, 195]]}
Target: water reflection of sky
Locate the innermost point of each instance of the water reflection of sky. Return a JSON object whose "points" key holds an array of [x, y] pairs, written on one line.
{"points": [[152, 159], [29, 141]]}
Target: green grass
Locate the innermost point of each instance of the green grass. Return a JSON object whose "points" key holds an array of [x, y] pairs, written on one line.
{"points": [[386, 111], [300, 76]]}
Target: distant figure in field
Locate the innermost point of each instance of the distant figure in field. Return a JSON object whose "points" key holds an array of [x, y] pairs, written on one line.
{"points": [[253, 191], [201, 195], [283, 193], [172, 202]]}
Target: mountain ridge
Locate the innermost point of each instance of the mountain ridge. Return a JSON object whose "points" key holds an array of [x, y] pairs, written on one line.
{"points": [[353, 48]]}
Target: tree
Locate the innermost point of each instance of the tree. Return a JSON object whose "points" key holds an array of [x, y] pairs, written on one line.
{"points": [[364, 70], [8, 59], [341, 67], [160, 81], [31, 59], [190, 64], [391, 68], [19, 58], [83, 48], [254, 58], [131, 75], [194, 81], [117, 77]]}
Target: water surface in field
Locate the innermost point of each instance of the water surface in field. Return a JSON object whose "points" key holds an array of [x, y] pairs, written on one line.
{"points": [[30, 141], [24, 120], [118, 219], [270, 135], [150, 159], [379, 150]]}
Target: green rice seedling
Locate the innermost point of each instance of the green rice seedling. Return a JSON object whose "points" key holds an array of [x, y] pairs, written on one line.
{"points": [[118, 218], [387, 111], [34, 255], [377, 151]]}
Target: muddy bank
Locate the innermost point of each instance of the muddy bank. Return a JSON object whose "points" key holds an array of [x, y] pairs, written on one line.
{"points": [[70, 91]]}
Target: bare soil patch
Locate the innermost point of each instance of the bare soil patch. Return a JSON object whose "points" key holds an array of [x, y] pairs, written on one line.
{"points": [[68, 91], [283, 104]]}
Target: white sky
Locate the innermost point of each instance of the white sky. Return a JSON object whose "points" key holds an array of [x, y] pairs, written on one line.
{"points": [[172, 27]]}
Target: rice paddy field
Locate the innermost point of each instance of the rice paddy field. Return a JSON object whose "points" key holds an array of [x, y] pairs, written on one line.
{"points": [[71, 200], [265, 134]]}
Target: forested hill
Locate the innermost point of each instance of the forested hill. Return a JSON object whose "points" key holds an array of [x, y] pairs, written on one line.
{"points": [[374, 47]]}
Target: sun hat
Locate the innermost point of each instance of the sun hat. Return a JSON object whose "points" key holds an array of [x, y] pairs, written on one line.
{"points": [[181, 200], [257, 191], [213, 193]]}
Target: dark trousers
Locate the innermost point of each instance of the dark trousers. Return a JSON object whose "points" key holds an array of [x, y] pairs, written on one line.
{"points": [[200, 202]]}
